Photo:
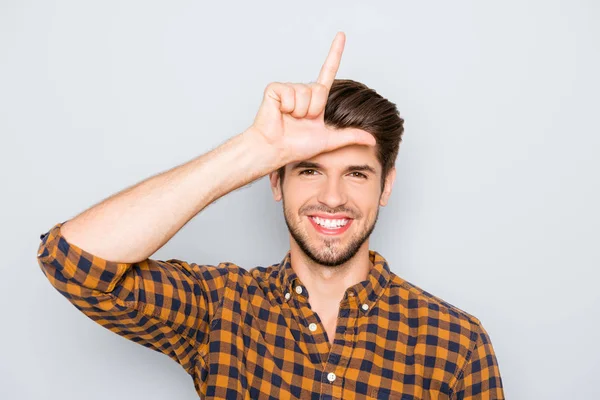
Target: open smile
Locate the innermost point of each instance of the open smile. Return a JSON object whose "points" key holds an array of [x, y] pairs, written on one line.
{"points": [[331, 226]]}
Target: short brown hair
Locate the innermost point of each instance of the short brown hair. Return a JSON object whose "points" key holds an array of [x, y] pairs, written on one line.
{"points": [[352, 104]]}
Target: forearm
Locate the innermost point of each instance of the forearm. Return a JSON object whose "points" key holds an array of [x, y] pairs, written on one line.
{"points": [[132, 224]]}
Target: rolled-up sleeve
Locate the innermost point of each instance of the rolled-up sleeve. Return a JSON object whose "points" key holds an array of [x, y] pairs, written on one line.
{"points": [[164, 305]]}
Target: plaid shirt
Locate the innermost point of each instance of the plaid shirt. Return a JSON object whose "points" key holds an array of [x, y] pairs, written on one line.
{"points": [[253, 335]]}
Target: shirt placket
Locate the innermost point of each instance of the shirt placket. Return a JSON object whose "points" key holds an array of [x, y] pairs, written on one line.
{"points": [[332, 382], [312, 329]]}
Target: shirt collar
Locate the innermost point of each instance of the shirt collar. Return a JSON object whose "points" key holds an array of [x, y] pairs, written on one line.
{"points": [[366, 292]]}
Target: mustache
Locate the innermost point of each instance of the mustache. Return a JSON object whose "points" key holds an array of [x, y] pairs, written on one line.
{"points": [[306, 210]]}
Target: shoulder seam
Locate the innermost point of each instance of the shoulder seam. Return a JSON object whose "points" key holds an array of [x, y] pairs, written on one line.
{"points": [[468, 358], [411, 288]]}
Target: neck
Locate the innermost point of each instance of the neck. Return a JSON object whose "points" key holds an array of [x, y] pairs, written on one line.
{"points": [[327, 284]]}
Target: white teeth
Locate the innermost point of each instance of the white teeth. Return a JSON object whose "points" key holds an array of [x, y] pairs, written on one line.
{"points": [[330, 223]]}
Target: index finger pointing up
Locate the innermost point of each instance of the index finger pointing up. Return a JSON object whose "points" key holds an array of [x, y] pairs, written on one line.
{"points": [[332, 63]]}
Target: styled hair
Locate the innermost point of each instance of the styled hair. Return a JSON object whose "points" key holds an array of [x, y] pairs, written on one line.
{"points": [[352, 104]]}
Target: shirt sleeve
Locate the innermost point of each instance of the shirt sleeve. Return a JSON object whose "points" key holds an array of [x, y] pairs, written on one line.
{"points": [[480, 378], [166, 306]]}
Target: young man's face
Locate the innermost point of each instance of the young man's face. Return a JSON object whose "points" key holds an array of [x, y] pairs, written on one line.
{"points": [[331, 202]]}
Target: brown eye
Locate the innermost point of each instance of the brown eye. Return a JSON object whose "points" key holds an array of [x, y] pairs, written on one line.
{"points": [[307, 172], [359, 175]]}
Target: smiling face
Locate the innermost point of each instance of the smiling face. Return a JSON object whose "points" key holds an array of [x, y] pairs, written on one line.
{"points": [[331, 202]]}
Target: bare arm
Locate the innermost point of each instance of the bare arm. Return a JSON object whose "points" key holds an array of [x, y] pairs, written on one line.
{"points": [[99, 260], [132, 224]]}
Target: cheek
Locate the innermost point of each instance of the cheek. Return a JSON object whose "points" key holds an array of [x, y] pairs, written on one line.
{"points": [[296, 197], [365, 198], [292, 207], [369, 212]]}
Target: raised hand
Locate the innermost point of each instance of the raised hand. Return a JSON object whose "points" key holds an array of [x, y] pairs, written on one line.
{"points": [[291, 115]]}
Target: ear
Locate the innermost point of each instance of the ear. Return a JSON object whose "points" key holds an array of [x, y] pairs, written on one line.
{"points": [[275, 186], [387, 188]]}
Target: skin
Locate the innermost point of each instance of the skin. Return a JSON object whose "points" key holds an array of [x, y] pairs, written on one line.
{"points": [[329, 264], [292, 118], [288, 128]]}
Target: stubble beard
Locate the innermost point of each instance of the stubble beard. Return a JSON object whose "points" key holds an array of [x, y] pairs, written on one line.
{"points": [[332, 253]]}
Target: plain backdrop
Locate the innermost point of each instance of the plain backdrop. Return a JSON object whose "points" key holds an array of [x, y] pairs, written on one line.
{"points": [[495, 206]]}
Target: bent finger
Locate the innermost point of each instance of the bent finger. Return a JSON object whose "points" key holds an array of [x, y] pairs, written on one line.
{"points": [[302, 98], [282, 94], [318, 100]]}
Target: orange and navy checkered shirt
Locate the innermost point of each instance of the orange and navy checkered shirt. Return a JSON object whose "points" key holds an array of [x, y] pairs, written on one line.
{"points": [[250, 334]]}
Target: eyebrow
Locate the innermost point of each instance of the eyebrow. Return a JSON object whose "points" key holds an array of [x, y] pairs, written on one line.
{"points": [[350, 168]]}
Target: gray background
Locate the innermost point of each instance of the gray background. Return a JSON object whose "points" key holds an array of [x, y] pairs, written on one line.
{"points": [[495, 206]]}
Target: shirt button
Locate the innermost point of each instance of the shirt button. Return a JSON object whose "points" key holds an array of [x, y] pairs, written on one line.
{"points": [[299, 289], [288, 295], [365, 306], [312, 327], [331, 377]]}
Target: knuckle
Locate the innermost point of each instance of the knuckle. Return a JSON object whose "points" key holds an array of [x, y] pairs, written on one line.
{"points": [[271, 87], [302, 89], [288, 89]]}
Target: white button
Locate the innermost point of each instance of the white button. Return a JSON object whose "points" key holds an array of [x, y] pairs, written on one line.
{"points": [[288, 295], [299, 289], [331, 377], [365, 306], [312, 327]]}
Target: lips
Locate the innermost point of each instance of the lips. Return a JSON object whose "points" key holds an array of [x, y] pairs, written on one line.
{"points": [[330, 231]]}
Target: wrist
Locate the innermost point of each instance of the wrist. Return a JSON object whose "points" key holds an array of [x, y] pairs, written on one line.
{"points": [[269, 157]]}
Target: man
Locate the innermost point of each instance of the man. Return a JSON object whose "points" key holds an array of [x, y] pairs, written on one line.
{"points": [[331, 320]]}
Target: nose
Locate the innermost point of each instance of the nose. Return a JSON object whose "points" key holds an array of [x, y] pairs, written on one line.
{"points": [[332, 194]]}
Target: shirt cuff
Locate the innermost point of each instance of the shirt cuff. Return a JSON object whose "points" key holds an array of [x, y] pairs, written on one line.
{"points": [[56, 254]]}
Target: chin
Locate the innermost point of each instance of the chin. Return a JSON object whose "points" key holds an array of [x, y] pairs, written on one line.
{"points": [[327, 256]]}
